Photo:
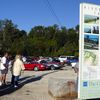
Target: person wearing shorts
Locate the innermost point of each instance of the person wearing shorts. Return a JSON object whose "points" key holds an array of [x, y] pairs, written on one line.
{"points": [[5, 70]]}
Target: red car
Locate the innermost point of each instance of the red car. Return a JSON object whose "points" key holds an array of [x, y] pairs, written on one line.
{"points": [[34, 66]]}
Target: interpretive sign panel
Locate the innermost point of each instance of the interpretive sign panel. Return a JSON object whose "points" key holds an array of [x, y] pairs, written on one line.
{"points": [[89, 56]]}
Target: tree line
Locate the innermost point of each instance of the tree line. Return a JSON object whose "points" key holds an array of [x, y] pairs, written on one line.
{"points": [[39, 41]]}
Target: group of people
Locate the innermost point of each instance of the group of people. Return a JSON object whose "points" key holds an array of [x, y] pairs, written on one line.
{"points": [[16, 68]]}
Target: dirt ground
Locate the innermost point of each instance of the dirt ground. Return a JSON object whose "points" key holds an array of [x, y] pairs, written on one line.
{"points": [[33, 85]]}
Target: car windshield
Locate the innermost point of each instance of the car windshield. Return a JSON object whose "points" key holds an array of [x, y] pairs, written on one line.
{"points": [[43, 61], [73, 58]]}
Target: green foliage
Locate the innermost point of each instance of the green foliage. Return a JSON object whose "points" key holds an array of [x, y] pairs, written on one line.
{"points": [[40, 41]]}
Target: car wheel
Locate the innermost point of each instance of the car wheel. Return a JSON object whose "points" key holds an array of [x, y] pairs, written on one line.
{"points": [[52, 68], [36, 68]]}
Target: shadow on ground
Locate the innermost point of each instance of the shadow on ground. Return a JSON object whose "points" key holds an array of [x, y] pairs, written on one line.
{"points": [[4, 90]]}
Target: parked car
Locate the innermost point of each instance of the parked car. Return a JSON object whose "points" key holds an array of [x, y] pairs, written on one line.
{"points": [[51, 65], [62, 58], [55, 59], [34, 66], [71, 60], [29, 59]]}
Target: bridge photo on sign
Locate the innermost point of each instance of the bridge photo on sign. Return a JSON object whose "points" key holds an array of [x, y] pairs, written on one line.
{"points": [[91, 42]]}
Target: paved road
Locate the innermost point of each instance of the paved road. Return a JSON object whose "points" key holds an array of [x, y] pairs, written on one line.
{"points": [[33, 85]]}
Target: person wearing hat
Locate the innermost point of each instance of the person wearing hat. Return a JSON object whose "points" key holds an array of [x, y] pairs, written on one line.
{"points": [[18, 66]]}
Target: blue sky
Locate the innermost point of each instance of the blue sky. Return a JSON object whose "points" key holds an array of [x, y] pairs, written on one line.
{"points": [[29, 13]]}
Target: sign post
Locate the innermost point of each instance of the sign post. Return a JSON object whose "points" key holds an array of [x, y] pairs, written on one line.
{"points": [[89, 57]]}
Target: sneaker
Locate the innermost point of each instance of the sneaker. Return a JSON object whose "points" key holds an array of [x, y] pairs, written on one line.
{"points": [[4, 84], [15, 86], [0, 83]]}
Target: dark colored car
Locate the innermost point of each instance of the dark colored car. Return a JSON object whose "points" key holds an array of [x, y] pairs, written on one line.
{"points": [[55, 60], [71, 60], [34, 66], [51, 65]]}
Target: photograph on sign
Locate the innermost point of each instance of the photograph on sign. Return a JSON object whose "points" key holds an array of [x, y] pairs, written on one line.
{"points": [[87, 29], [91, 42], [95, 29], [91, 29], [91, 19]]}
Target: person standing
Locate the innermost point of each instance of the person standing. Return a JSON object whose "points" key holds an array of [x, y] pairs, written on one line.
{"points": [[4, 71], [17, 67]]}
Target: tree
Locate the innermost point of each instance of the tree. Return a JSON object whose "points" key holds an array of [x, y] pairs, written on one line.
{"points": [[40, 41]]}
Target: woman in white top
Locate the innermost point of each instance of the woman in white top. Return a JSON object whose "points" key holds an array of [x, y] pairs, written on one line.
{"points": [[4, 71], [18, 66]]}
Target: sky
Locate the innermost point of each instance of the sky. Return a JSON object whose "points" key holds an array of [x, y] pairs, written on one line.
{"points": [[29, 13]]}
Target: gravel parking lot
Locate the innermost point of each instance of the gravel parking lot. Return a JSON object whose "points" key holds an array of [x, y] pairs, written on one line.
{"points": [[34, 85]]}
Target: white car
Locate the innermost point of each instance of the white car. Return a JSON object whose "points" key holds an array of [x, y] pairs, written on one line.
{"points": [[64, 58]]}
